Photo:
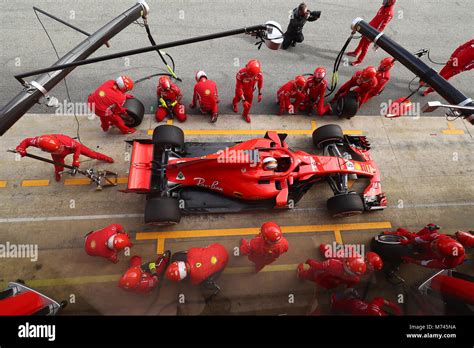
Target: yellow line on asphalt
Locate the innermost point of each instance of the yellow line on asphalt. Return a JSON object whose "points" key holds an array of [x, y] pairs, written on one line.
{"points": [[338, 236], [353, 132], [123, 180], [452, 129], [169, 122], [34, 183], [3, 184], [313, 125], [75, 182], [160, 246], [254, 230], [52, 282]]}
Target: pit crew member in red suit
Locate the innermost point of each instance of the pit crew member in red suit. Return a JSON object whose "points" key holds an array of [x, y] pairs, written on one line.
{"points": [[432, 249], [373, 261], [246, 79], [350, 303], [142, 278], [107, 242], [379, 22], [461, 60], [315, 92], [383, 75], [206, 94], [202, 266], [169, 100], [292, 90], [364, 81], [266, 247], [331, 273], [59, 146], [107, 103]]}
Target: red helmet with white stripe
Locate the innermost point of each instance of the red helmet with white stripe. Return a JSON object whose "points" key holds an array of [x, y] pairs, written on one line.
{"points": [[200, 74], [177, 271], [124, 83], [319, 74]]}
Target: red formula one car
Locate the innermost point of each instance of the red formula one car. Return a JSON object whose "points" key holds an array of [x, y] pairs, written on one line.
{"points": [[18, 299], [261, 173]]}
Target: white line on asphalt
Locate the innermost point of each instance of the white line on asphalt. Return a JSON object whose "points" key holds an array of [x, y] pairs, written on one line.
{"points": [[69, 218], [125, 216]]}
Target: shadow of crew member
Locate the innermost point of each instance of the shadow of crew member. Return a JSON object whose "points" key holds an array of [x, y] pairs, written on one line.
{"points": [[299, 17]]}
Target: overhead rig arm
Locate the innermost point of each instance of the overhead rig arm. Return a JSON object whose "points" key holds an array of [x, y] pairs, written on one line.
{"points": [[418, 67], [18, 106]]}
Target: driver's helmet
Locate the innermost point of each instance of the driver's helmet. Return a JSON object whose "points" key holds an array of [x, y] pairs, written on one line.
{"points": [[270, 163]]}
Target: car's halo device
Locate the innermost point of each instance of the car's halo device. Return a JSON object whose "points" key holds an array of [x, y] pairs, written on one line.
{"points": [[459, 102]]}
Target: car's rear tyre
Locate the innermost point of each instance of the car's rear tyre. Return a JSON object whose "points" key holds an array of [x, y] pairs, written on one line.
{"points": [[345, 205], [162, 211], [331, 133], [389, 248], [167, 135], [135, 112], [348, 106]]}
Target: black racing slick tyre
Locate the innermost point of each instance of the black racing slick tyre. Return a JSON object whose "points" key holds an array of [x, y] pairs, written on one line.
{"points": [[327, 134], [167, 135], [345, 205], [389, 248], [135, 112], [347, 106], [162, 211]]}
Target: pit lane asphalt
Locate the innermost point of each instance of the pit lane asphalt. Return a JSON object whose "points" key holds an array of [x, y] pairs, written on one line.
{"points": [[426, 167], [439, 25]]}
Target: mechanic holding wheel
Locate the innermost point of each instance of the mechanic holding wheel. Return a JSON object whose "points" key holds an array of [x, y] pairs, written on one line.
{"points": [[107, 103], [365, 82], [299, 17]]}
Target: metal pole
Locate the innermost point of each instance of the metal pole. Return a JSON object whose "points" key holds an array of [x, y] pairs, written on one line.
{"points": [[19, 105], [415, 65], [143, 50]]}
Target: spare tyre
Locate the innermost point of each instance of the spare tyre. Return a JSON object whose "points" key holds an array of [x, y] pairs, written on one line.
{"points": [[135, 112], [347, 106]]}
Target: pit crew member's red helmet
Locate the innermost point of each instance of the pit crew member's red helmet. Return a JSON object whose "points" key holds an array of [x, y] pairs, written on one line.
{"points": [[386, 64], [319, 74], [49, 143], [253, 67], [271, 232], [131, 278], [200, 74], [121, 241], [124, 83], [164, 82], [368, 74], [447, 247], [374, 261], [177, 271], [300, 81], [355, 266]]}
